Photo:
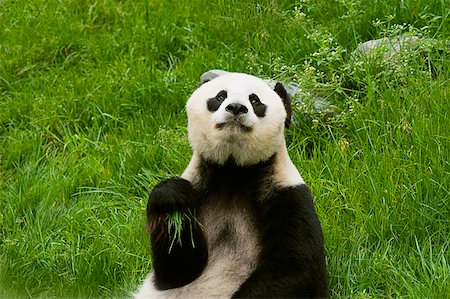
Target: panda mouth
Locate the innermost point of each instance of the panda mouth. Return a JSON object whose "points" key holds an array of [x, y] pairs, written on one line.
{"points": [[233, 125]]}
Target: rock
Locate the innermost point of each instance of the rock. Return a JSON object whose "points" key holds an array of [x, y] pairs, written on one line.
{"points": [[389, 48]]}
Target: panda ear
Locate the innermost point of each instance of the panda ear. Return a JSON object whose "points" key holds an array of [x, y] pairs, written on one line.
{"points": [[286, 98], [210, 75]]}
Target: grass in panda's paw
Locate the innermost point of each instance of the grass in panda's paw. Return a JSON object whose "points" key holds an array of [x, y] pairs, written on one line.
{"points": [[175, 226]]}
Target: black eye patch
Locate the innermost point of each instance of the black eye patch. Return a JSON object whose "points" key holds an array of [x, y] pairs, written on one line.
{"points": [[214, 103], [258, 107]]}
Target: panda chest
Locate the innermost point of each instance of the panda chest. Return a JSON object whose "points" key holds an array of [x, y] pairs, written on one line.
{"points": [[232, 236]]}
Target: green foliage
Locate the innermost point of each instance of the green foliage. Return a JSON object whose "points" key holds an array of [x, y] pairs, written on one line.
{"points": [[92, 97], [178, 222]]}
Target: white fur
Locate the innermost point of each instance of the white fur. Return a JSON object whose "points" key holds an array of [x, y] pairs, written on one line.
{"points": [[191, 172], [219, 145], [286, 174], [227, 267]]}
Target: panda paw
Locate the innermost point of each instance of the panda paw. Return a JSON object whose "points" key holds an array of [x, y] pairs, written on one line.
{"points": [[175, 194]]}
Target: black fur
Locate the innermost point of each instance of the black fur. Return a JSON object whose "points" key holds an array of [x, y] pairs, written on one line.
{"points": [[175, 264], [214, 103], [291, 262], [286, 98], [230, 179], [258, 107]]}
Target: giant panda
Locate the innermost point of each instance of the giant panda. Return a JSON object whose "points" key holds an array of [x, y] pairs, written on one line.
{"points": [[259, 235]]}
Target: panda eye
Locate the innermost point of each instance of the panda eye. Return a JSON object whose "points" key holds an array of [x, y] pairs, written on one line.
{"points": [[213, 104], [221, 96], [254, 99]]}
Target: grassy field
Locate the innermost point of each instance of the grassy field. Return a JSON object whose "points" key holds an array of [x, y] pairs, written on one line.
{"points": [[92, 116]]}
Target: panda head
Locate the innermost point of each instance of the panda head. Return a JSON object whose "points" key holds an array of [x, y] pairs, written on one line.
{"points": [[239, 117]]}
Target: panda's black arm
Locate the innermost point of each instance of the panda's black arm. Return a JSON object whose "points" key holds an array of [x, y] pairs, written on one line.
{"points": [[291, 262], [176, 261]]}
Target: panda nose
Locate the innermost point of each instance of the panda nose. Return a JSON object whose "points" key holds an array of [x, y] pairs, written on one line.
{"points": [[236, 108]]}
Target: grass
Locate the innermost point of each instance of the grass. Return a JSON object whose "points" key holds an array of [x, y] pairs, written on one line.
{"points": [[92, 116]]}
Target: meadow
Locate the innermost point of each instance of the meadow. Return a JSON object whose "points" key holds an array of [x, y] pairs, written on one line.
{"points": [[92, 115]]}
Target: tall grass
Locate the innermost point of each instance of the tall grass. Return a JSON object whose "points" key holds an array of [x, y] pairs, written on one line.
{"points": [[92, 116]]}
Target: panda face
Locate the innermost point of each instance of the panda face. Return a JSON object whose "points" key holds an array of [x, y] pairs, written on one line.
{"points": [[236, 116]]}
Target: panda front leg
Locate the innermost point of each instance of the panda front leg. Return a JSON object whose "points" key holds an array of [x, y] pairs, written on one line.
{"points": [[179, 261], [292, 260]]}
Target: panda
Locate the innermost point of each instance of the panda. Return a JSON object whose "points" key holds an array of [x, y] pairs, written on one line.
{"points": [[259, 235]]}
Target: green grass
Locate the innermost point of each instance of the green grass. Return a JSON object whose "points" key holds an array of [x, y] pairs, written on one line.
{"points": [[92, 116]]}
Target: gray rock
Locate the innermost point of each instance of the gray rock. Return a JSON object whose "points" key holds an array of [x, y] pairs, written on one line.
{"points": [[388, 48]]}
